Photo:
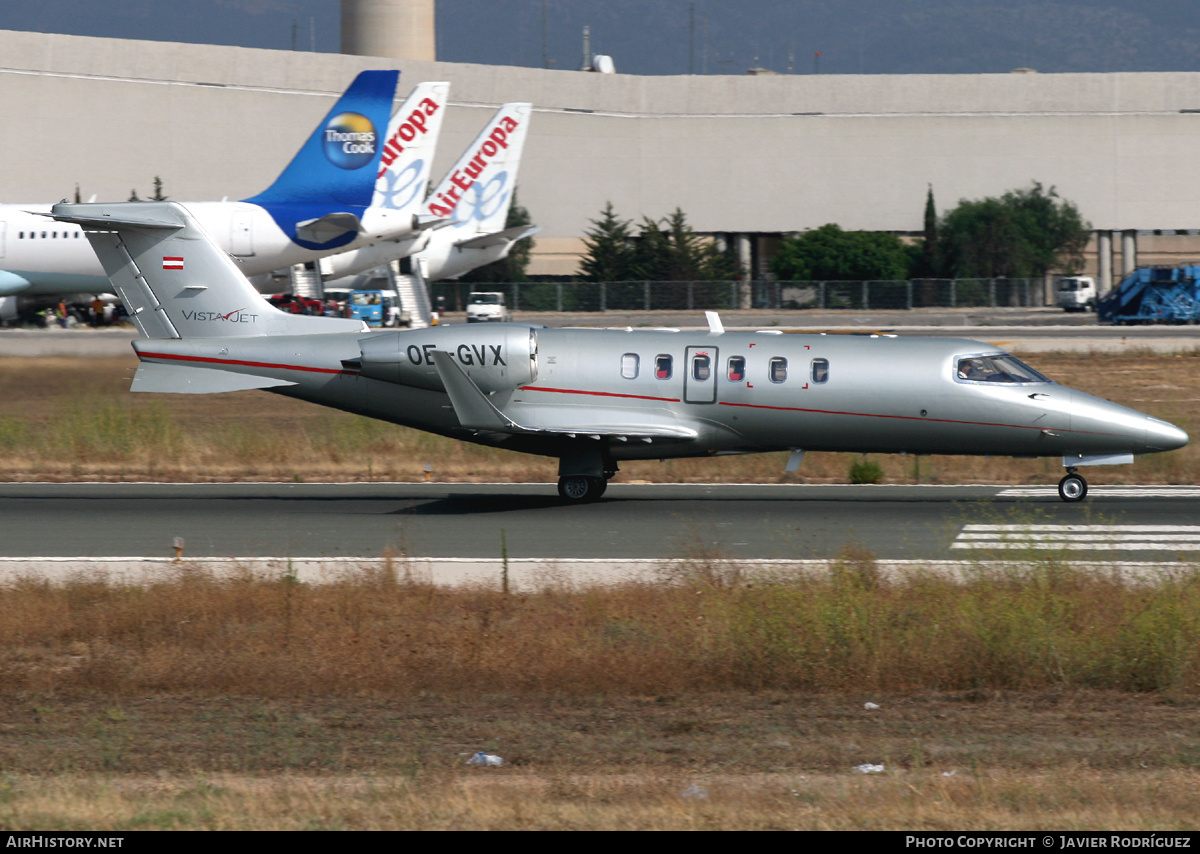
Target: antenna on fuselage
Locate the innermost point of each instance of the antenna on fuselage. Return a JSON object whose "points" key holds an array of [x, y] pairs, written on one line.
{"points": [[714, 323]]}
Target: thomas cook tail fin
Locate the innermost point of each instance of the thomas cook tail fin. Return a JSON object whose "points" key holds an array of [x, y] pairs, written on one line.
{"points": [[175, 281], [320, 197]]}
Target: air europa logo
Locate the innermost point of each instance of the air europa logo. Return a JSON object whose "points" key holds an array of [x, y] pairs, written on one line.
{"points": [[348, 140], [462, 179], [411, 128]]}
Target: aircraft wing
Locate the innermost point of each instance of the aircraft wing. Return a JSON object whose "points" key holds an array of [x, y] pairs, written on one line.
{"points": [[499, 238], [328, 227], [476, 412], [182, 379]]}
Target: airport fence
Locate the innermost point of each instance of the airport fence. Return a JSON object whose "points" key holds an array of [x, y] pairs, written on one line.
{"points": [[729, 295]]}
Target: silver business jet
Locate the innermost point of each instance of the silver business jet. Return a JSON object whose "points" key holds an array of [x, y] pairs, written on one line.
{"points": [[589, 397]]}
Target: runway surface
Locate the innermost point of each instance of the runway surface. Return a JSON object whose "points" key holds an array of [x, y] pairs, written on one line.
{"points": [[633, 521]]}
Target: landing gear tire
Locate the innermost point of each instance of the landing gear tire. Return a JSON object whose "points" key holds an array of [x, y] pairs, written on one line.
{"points": [[579, 488], [1072, 488]]}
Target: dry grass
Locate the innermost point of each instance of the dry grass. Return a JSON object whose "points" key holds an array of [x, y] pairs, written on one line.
{"points": [[1063, 760], [69, 419], [1041, 697], [519, 800], [1041, 626]]}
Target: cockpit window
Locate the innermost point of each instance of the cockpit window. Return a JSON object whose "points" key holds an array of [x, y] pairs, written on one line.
{"points": [[997, 368]]}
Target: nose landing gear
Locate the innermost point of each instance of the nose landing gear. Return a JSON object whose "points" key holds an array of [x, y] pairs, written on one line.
{"points": [[1072, 487]]}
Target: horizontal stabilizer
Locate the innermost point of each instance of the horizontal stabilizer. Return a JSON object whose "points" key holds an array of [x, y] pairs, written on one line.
{"points": [[181, 379], [424, 222], [100, 222], [499, 238], [328, 227]]}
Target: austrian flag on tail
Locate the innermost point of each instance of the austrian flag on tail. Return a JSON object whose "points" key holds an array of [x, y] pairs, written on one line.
{"points": [[172, 262]]}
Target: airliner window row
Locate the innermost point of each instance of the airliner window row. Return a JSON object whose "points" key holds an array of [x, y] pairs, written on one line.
{"points": [[735, 368], [47, 235]]}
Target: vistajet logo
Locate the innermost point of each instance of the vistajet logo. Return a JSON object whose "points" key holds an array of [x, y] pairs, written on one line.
{"points": [[238, 315]]}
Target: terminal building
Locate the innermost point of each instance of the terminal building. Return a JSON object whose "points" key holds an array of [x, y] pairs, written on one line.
{"points": [[747, 157]]}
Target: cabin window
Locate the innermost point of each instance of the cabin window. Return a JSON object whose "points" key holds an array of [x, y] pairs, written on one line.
{"points": [[629, 366], [778, 369], [996, 368], [736, 368], [820, 370], [662, 367], [21, 235], [43, 235], [701, 368]]}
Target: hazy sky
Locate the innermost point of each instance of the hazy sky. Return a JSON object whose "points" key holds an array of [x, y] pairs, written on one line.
{"points": [[704, 36]]}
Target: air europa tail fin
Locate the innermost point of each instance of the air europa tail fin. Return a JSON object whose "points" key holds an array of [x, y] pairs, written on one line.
{"points": [[175, 281], [477, 192], [408, 149], [334, 172]]}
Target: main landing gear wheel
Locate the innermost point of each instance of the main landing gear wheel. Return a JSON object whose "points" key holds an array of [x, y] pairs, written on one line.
{"points": [[580, 488], [1072, 488]]}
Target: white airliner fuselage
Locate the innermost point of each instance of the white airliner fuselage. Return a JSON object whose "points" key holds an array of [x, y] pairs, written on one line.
{"points": [[41, 257]]}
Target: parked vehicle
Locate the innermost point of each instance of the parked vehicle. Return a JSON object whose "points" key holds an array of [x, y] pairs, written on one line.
{"points": [[485, 306], [376, 308], [1077, 293], [297, 305]]}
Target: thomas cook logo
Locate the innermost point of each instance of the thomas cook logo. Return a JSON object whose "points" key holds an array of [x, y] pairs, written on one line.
{"points": [[349, 141]]}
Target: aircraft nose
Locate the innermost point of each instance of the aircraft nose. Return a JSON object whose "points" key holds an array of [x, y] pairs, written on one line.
{"points": [[1163, 435]]}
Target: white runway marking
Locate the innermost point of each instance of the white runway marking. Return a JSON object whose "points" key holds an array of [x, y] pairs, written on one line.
{"points": [[1080, 537], [1106, 492]]}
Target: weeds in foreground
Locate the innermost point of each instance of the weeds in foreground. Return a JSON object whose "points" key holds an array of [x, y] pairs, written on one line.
{"points": [[1039, 626]]}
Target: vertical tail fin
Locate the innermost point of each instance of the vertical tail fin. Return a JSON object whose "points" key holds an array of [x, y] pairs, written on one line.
{"points": [[335, 170], [175, 281], [412, 135], [476, 193]]}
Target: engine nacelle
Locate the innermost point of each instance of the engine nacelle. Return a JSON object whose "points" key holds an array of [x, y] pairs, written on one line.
{"points": [[496, 358]]}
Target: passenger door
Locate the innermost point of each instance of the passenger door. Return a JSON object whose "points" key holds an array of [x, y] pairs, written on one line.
{"points": [[241, 234], [700, 375]]}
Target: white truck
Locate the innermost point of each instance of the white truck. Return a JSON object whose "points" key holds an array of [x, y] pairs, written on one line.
{"points": [[485, 306], [1077, 293]]}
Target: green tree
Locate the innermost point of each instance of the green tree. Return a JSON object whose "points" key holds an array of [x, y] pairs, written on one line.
{"points": [[512, 267], [928, 265], [670, 251], [1022, 234], [610, 251], [829, 253], [158, 193]]}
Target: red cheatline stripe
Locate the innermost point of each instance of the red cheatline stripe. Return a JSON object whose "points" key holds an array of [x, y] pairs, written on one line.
{"points": [[177, 358], [599, 393]]}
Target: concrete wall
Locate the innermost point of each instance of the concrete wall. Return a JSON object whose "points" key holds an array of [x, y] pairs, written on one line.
{"points": [[738, 154]]}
